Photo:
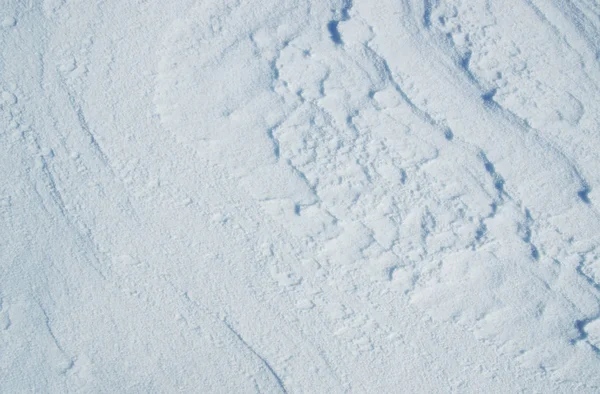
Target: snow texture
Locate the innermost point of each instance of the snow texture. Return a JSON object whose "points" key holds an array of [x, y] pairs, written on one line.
{"points": [[338, 196]]}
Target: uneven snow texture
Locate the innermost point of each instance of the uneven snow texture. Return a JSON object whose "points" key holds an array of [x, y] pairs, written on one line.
{"points": [[300, 196]]}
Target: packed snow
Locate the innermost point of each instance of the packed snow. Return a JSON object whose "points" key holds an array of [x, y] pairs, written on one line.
{"points": [[337, 196]]}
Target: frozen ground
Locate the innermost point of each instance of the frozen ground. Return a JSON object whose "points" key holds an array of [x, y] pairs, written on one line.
{"points": [[300, 196]]}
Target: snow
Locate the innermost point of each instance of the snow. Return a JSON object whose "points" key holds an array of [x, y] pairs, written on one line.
{"points": [[296, 196]]}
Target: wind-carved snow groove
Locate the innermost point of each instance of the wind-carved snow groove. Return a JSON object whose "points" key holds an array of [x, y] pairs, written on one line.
{"points": [[423, 115], [81, 232], [577, 24], [80, 229], [332, 26], [463, 58], [95, 145], [581, 324], [497, 201], [488, 94], [524, 227], [55, 340], [583, 193], [271, 136], [83, 124], [497, 178], [525, 231], [266, 364], [428, 5], [96, 149]]}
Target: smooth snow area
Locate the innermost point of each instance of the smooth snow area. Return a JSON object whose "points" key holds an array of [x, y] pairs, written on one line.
{"points": [[337, 196]]}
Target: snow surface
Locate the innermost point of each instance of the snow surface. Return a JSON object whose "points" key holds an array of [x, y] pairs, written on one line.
{"points": [[298, 196]]}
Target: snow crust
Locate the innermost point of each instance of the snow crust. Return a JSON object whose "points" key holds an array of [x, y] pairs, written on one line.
{"points": [[337, 196]]}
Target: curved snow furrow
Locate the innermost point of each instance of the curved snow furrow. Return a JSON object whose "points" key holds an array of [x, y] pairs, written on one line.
{"points": [[476, 41], [498, 184], [583, 193], [46, 177], [576, 27], [426, 117], [265, 362], [583, 186], [519, 122], [534, 251]]}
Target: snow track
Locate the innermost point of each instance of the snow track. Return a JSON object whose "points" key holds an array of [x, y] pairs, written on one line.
{"points": [[296, 196]]}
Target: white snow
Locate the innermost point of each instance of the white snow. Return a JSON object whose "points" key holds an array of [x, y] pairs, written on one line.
{"points": [[350, 196]]}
